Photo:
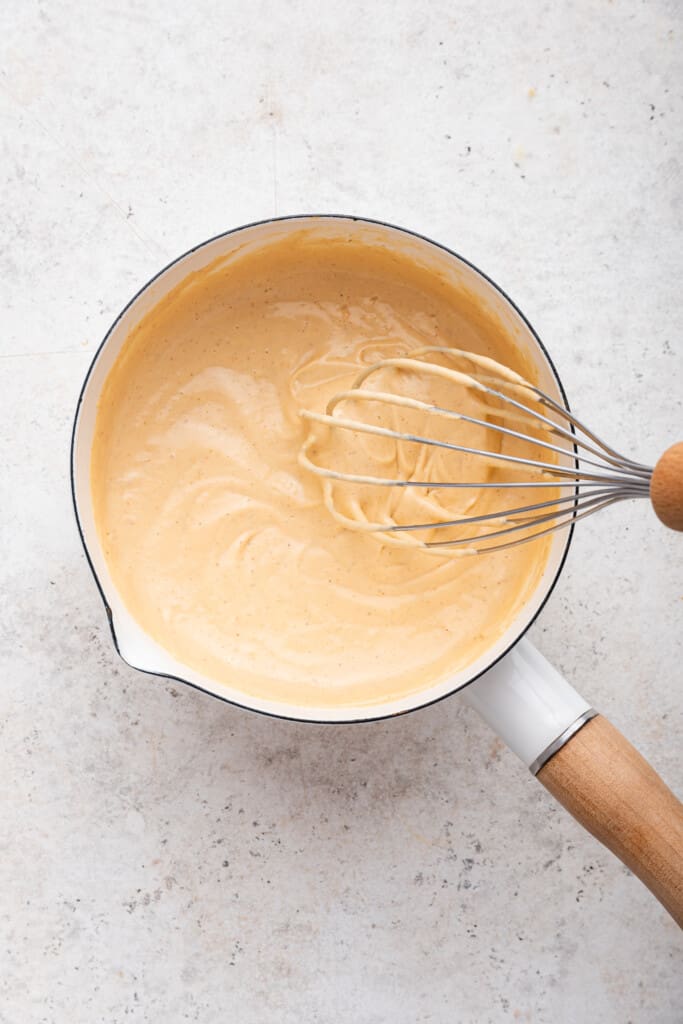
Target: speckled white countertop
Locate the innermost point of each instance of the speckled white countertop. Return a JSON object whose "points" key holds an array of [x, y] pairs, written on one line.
{"points": [[165, 857]]}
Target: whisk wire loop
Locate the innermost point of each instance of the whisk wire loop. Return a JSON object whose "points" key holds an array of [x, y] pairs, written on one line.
{"points": [[596, 473]]}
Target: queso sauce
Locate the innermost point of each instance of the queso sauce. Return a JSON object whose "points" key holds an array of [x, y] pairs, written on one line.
{"points": [[219, 541]]}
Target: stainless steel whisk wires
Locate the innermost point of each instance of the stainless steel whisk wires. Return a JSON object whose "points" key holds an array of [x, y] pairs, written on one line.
{"points": [[592, 476]]}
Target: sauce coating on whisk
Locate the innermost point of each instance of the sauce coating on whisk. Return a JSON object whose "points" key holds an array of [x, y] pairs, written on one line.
{"points": [[370, 427]]}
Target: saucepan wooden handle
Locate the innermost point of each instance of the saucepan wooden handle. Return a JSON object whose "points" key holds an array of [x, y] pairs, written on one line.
{"points": [[615, 794], [666, 487]]}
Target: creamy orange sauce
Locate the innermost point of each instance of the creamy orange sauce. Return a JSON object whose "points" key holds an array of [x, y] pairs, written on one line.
{"points": [[219, 541]]}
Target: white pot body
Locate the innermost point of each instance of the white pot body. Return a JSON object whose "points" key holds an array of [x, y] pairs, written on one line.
{"points": [[141, 651]]}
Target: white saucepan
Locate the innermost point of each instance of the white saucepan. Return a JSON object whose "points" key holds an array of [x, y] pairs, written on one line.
{"points": [[574, 752]]}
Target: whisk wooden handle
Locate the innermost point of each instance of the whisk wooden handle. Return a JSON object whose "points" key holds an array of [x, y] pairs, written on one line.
{"points": [[666, 487], [615, 794]]}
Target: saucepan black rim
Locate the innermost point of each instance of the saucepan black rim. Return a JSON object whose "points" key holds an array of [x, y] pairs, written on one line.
{"points": [[133, 300]]}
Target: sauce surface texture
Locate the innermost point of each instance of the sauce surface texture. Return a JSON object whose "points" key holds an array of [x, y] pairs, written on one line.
{"points": [[219, 541]]}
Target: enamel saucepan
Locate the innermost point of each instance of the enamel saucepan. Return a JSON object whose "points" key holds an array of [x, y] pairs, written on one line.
{"points": [[582, 759]]}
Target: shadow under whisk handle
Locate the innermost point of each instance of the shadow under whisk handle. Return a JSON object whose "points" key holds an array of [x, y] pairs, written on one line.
{"points": [[666, 487]]}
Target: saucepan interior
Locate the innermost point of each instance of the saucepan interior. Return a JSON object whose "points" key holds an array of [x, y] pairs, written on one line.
{"points": [[135, 646]]}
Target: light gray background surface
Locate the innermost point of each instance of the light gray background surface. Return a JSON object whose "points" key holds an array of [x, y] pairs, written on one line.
{"points": [[168, 858]]}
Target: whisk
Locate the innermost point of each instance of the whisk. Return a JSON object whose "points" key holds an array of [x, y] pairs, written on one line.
{"points": [[575, 474]]}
